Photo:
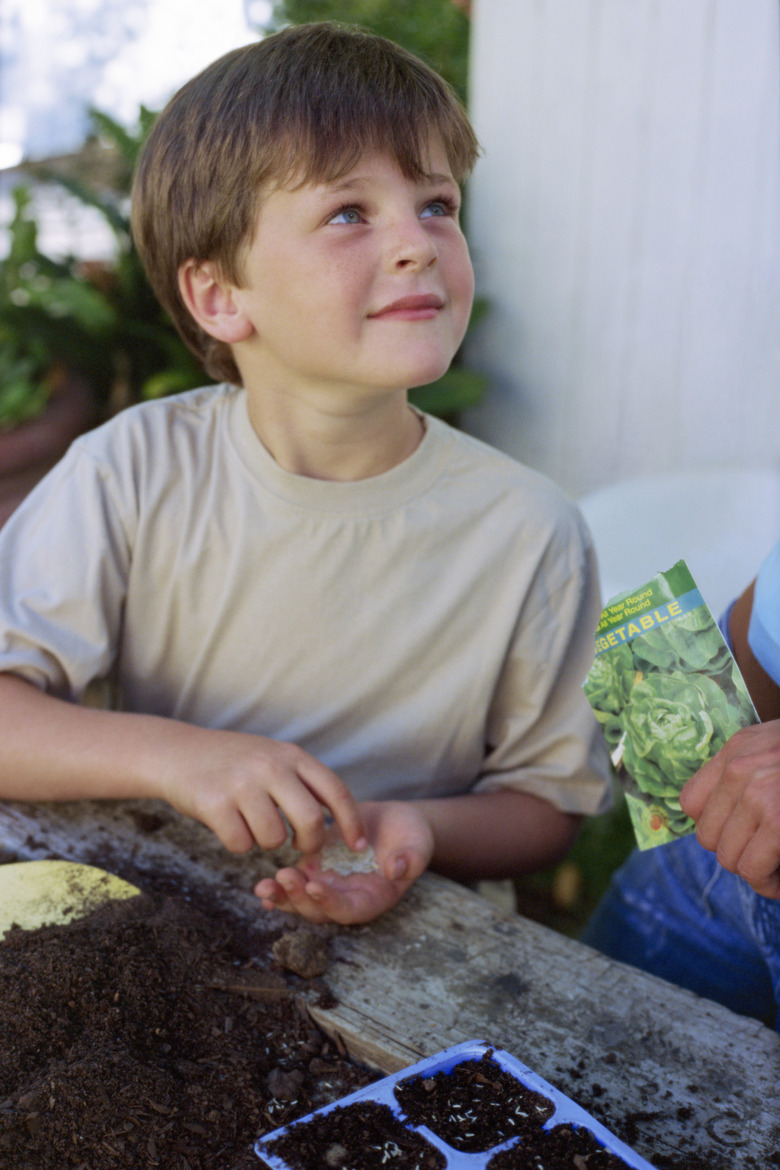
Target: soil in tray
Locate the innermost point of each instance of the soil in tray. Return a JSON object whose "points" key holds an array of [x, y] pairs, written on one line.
{"points": [[564, 1147], [363, 1136], [474, 1107], [367, 1135], [154, 1034]]}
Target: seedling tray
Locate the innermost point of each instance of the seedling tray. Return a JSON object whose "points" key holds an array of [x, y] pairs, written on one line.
{"points": [[523, 1123]]}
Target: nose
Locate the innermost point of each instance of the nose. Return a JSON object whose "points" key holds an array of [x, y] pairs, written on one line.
{"points": [[410, 246]]}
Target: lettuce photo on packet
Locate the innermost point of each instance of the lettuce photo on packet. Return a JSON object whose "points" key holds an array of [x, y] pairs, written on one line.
{"points": [[667, 694], [607, 687], [673, 724], [692, 642]]}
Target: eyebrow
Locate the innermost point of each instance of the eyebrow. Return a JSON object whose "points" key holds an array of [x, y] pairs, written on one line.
{"points": [[349, 184]]}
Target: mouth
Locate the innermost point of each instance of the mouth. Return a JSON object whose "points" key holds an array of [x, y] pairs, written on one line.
{"points": [[414, 308]]}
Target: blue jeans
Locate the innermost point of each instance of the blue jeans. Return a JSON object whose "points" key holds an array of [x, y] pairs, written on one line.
{"points": [[674, 911]]}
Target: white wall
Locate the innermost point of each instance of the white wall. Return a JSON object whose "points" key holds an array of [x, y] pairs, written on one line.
{"points": [[625, 226]]}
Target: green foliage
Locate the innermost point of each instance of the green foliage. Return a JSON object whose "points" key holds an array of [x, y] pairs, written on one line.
{"points": [[436, 30], [101, 320], [49, 314]]}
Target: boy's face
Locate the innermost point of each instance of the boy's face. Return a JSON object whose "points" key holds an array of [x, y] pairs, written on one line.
{"points": [[356, 285]]}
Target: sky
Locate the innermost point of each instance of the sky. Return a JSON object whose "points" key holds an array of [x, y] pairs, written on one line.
{"points": [[58, 57]]}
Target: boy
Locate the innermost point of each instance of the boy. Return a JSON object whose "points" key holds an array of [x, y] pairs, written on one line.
{"points": [[317, 602]]}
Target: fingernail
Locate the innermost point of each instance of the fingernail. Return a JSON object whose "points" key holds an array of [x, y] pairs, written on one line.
{"points": [[360, 845], [399, 867]]}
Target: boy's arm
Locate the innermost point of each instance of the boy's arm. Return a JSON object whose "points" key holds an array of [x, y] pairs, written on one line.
{"points": [[735, 797], [237, 784], [764, 691], [496, 834]]}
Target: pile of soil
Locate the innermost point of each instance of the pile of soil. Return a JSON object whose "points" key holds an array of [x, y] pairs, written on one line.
{"points": [[154, 1033], [158, 1033]]}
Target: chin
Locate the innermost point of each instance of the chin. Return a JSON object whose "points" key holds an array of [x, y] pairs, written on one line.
{"points": [[422, 373], [426, 379]]}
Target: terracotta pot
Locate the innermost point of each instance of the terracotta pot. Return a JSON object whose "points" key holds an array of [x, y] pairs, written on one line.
{"points": [[29, 450]]}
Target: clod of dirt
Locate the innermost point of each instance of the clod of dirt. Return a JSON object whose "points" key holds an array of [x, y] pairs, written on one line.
{"points": [[303, 952]]}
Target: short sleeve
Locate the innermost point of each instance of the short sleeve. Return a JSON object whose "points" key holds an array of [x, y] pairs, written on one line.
{"points": [[63, 566], [543, 736], [764, 629]]}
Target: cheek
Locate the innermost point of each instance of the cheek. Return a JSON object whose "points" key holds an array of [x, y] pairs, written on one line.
{"points": [[463, 288]]}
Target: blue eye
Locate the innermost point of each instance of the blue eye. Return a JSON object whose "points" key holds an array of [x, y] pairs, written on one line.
{"points": [[346, 215], [439, 207]]}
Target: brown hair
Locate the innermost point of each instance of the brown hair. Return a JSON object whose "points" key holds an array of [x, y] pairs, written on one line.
{"points": [[300, 106]]}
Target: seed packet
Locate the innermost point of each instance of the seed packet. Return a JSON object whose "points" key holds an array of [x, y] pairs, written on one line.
{"points": [[668, 694]]}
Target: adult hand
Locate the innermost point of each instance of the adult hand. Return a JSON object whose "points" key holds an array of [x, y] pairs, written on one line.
{"points": [[403, 845], [735, 800]]}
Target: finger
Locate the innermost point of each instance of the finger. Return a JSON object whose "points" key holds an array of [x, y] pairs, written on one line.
{"points": [[404, 866], [713, 818], [759, 863], [232, 830], [331, 791], [697, 790], [733, 837], [303, 812], [395, 867], [274, 896], [268, 889], [271, 895], [747, 793], [358, 899], [291, 880], [728, 764], [304, 901], [246, 818]]}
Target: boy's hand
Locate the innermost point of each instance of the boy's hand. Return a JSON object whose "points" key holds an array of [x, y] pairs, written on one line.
{"points": [[403, 846], [240, 785], [735, 800]]}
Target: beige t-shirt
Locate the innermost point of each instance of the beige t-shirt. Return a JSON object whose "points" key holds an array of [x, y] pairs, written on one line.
{"points": [[423, 632]]}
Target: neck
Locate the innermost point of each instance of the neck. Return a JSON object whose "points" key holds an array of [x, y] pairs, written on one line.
{"points": [[350, 445]]}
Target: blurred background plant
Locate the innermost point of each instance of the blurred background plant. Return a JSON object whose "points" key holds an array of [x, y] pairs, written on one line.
{"points": [[436, 30], [99, 319]]}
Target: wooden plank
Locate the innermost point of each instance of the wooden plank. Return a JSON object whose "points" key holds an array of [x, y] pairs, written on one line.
{"points": [[666, 1070], [448, 967]]}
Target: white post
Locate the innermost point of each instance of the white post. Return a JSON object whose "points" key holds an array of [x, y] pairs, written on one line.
{"points": [[625, 225]]}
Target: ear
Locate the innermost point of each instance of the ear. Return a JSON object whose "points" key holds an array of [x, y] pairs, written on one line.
{"points": [[209, 298]]}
